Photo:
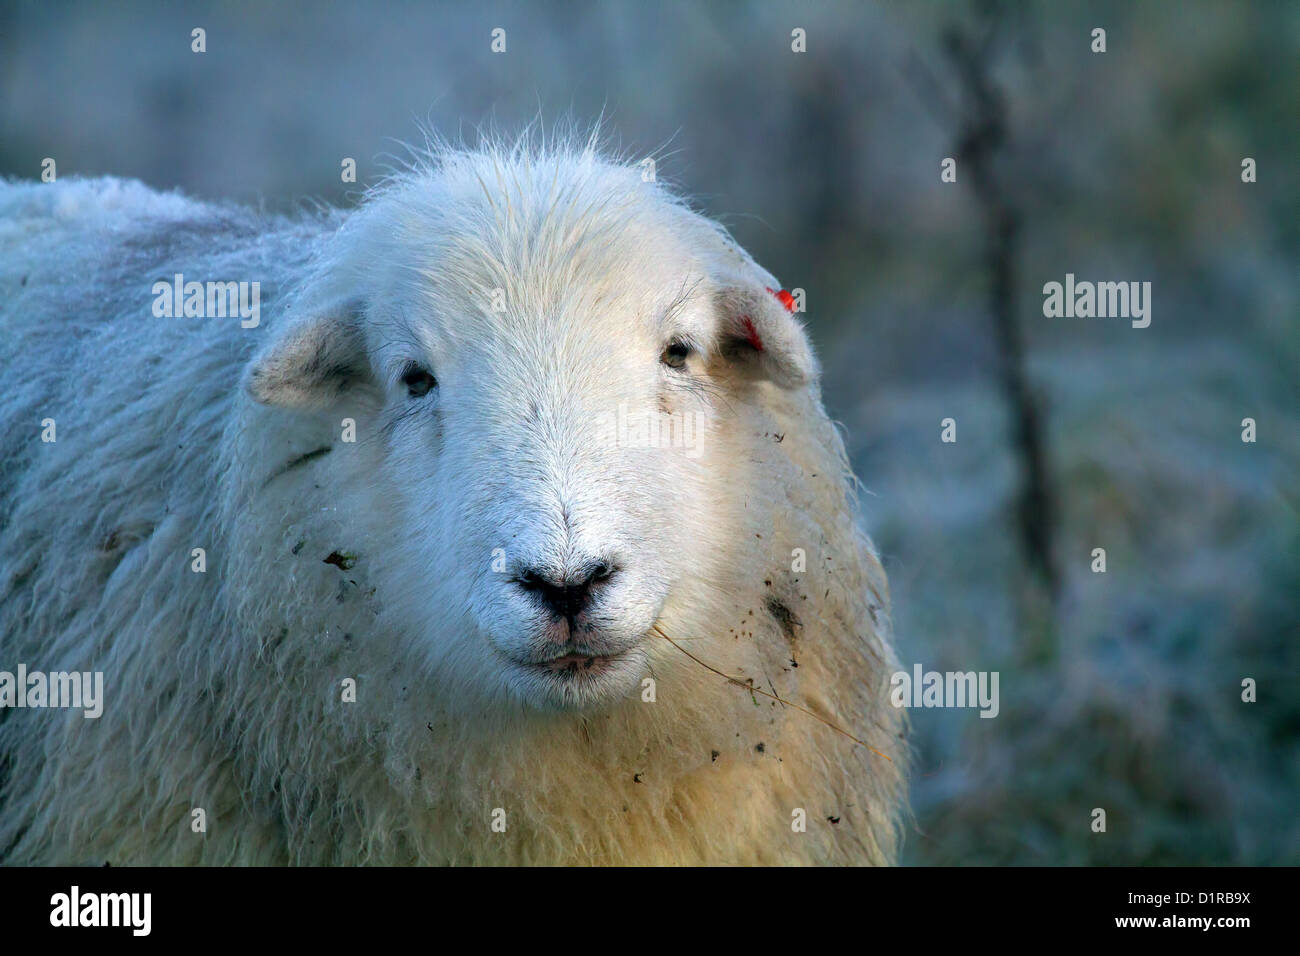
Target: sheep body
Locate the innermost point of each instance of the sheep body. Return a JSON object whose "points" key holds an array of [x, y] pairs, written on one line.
{"points": [[225, 687]]}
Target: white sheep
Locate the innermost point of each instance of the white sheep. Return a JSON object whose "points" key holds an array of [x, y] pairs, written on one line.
{"points": [[439, 557]]}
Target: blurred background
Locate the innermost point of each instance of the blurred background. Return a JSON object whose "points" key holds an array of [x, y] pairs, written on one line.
{"points": [[1120, 690]]}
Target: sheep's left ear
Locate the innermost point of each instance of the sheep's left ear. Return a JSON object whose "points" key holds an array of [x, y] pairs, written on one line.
{"points": [[311, 362], [761, 335]]}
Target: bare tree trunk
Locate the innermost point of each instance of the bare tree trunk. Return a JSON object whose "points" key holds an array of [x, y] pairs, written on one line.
{"points": [[981, 152]]}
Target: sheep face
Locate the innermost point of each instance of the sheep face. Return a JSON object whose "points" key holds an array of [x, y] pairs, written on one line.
{"points": [[551, 406], [556, 469]]}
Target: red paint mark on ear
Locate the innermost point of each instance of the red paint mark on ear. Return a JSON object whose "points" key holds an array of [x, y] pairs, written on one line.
{"points": [[785, 298], [751, 334]]}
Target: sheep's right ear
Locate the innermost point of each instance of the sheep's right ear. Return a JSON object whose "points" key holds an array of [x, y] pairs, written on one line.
{"points": [[312, 362]]}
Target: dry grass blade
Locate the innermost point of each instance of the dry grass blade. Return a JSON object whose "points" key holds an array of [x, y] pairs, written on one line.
{"points": [[747, 685]]}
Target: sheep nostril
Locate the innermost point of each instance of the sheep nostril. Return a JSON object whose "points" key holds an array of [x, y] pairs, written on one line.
{"points": [[567, 596]]}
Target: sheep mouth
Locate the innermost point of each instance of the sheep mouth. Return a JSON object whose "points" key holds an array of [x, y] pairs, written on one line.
{"points": [[578, 680], [578, 665]]}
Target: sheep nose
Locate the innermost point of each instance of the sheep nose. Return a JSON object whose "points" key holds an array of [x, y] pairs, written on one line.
{"points": [[569, 595]]}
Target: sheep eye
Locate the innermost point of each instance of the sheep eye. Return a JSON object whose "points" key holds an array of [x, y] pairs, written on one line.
{"points": [[674, 355], [418, 381]]}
